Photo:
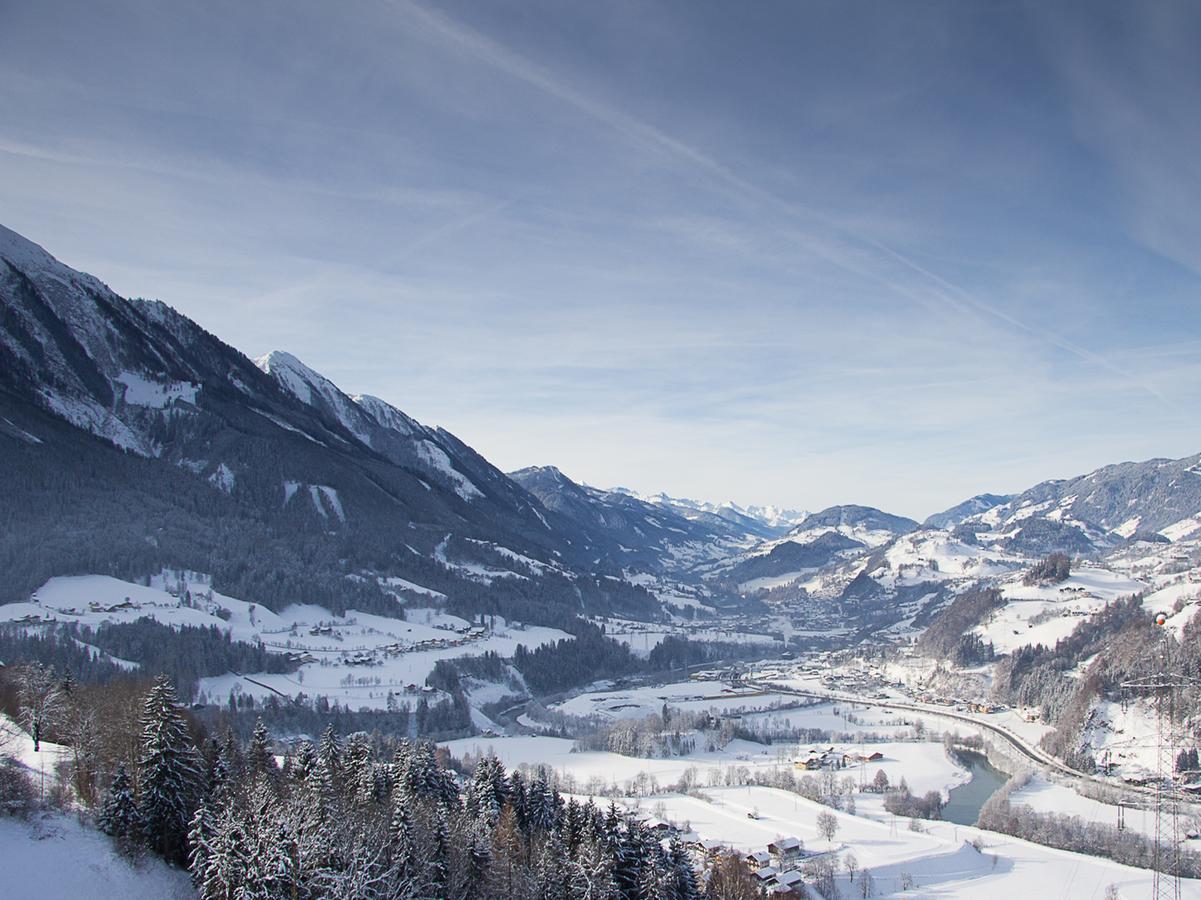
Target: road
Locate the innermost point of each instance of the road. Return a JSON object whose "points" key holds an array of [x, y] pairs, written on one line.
{"points": [[1030, 751]]}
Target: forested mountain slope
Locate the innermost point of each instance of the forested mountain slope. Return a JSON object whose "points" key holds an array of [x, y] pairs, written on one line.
{"points": [[134, 439]]}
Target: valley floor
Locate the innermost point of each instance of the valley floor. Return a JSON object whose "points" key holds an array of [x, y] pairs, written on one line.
{"points": [[940, 860]]}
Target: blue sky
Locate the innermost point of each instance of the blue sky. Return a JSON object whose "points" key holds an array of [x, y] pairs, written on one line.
{"points": [[797, 253]]}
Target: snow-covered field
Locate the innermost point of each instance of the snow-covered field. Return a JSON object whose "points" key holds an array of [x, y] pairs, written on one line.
{"points": [[1045, 796], [938, 861], [1044, 614], [356, 658], [642, 638], [925, 766], [52, 855], [695, 696]]}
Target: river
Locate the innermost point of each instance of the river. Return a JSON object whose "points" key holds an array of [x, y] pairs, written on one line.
{"points": [[963, 806]]}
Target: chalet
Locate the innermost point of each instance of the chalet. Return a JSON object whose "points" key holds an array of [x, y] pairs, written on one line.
{"points": [[767, 873], [791, 880], [785, 850], [758, 859], [849, 759], [657, 825]]}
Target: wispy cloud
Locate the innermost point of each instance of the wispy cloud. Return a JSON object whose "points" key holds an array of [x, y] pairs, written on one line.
{"points": [[838, 245]]}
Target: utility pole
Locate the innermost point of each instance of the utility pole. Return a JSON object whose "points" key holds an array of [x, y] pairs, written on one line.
{"points": [[1163, 689]]}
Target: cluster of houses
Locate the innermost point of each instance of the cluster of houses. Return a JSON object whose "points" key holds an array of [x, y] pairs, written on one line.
{"points": [[817, 759], [33, 619], [777, 867], [373, 656], [975, 706]]}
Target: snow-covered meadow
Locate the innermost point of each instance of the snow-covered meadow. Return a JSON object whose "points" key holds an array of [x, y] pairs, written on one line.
{"points": [[356, 658]]}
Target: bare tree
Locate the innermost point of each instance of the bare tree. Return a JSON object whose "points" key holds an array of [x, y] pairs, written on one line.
{"points": [[827, 825], [41, 698], [867, 885], [850, 862]]}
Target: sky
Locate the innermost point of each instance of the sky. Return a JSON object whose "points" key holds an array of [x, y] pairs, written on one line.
{"points": [[798, 253]]}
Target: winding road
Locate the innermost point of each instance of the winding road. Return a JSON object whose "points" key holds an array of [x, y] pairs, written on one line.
{"points": [[1030, 751]]}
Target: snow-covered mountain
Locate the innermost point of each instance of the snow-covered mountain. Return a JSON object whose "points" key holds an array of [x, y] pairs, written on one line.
{"points": [[865, 524], [981, 503], [652, 536], [752, 518], [1156, 499], [240, 465]]}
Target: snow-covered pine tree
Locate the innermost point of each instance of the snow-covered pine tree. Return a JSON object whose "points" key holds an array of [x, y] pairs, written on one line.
{"points": [[571, 826], [438, 861], [687, 884], [119, 817], [329, 754], [220, 858], [404, 861], [540, 804], [519, 798], [359, 772], [630, 859], [306, 761], [477, 869], [260, 761], [657, 879], [553, 872], [170, 777], [271, 853], [594, 868], [484, 795]]}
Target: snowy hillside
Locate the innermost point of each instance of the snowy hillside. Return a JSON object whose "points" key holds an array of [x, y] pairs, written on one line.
{"points": [[357, 658]]}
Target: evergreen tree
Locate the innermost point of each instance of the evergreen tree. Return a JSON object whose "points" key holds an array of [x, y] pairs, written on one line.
{"points": [[478, 869], [170, 775], [657, 880], [438, 863], [119, 817], [553, 872], [594, 868], [259, 759], [404, 852], [687, 885]]}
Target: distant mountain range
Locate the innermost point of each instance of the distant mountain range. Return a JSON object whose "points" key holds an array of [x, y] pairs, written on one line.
{"points": [[131, 439]]}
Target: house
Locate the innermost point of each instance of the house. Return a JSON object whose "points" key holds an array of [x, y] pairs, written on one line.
{"points": [[784, 850], [790, 880], [758, 859], [767, 873], [657, 825]]}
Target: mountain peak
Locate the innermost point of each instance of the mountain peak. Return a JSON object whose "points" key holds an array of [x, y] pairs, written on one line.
{"points": [[33, 260], [23, 252], [294, 376]]}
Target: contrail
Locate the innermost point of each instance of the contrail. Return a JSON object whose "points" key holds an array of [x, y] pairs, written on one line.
{"points": [[655, 139]]}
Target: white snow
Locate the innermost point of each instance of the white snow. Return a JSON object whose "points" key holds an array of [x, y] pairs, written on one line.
{"points": [[1059, 607], [53, 855], [437, 460], [143, 391], [405, 585], [1181, 529], [223, 479], [1129, 527], [326, 501]]}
